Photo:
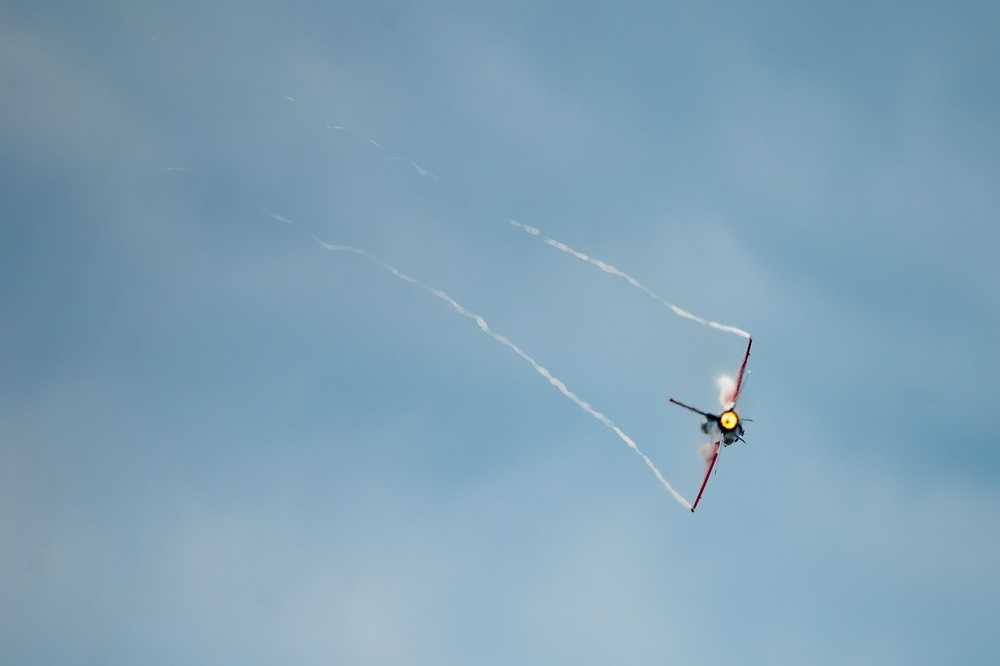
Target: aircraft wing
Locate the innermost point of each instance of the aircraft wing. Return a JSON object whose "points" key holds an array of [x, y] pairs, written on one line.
{"points": [[696, 411], [709, 464], [740, 373]]}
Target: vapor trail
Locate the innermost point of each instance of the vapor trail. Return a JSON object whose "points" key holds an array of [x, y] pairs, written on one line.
{"points": [[517, 350], [424, 173], [608, 268]]}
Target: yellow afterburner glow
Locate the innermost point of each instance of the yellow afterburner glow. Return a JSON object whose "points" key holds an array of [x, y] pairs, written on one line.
{"points": [[729, 420]]}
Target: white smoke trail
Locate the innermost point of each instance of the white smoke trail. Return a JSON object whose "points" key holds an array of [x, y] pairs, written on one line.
{"points": [[279, 218], [517, 350], [424, 173], [608, 268]]}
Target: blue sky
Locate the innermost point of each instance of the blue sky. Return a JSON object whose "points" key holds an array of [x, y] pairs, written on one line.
{"points": [[220, 443]]}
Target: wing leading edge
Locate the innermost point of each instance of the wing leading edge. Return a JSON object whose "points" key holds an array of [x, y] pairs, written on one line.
{"points": [[741, 371], [708, 472]]}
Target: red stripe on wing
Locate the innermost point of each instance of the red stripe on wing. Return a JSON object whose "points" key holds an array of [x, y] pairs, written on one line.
{"points": [[708, 473], [739, 374]]}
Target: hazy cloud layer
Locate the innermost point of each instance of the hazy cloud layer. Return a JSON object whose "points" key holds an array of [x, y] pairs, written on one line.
{"points": [[220, 443]]}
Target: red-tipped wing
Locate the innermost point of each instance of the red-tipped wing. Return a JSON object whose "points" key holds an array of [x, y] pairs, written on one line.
{"points": [[742, 370], [710, 463]]}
